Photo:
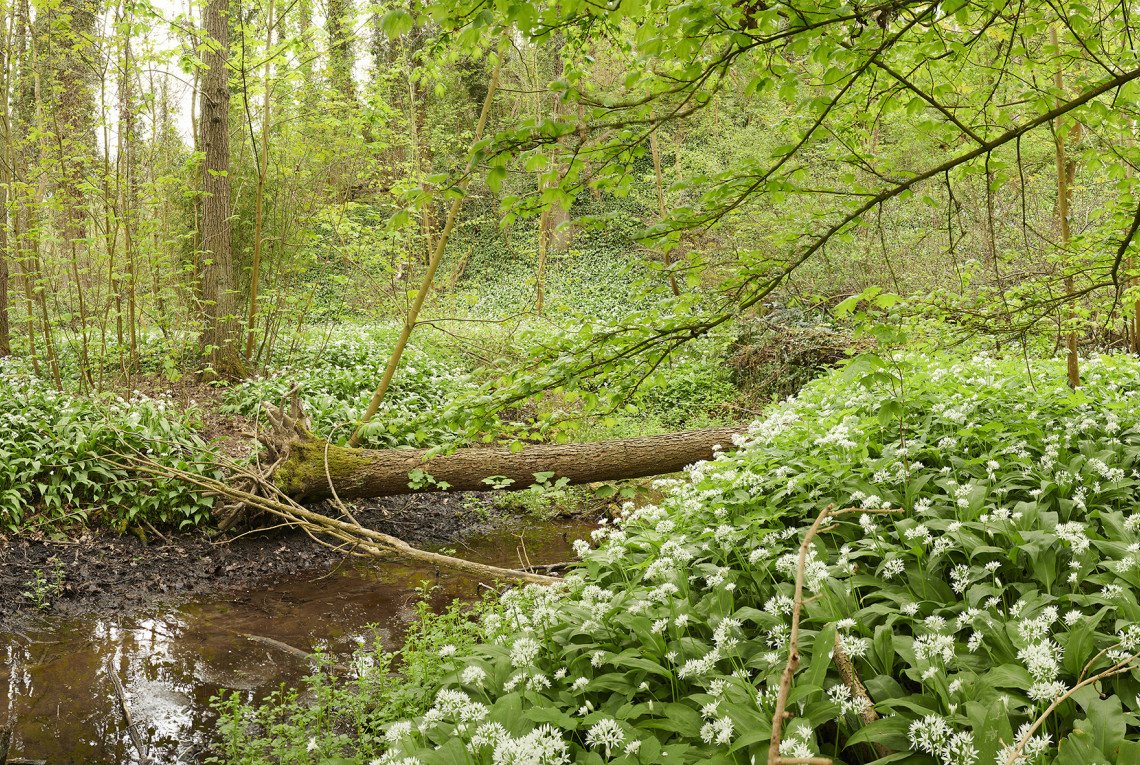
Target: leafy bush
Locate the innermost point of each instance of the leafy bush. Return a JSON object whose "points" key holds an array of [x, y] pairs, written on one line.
{"points": [[692, 385], [598, 282], [1011, 578], [52, 450]]}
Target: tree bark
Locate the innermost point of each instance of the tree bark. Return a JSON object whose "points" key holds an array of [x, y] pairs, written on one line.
{"points": [[358, 473], [5, 182], [220, 330], [339, 22]]}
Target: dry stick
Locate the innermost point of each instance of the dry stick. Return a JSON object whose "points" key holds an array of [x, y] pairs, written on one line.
{"points": [[328, 475], [377, 544], [289, 649], [781, 712], [1117, 669], [850, 678], [437, 256], [143, 757]]}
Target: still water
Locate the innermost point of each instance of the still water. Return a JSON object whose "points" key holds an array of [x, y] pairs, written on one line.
{"points": [[58, 697]]}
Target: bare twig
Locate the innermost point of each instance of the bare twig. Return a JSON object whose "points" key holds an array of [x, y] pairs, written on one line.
{"points": [[1119, 668], [268, 641], [851, 679], [781, 714], [131, 730], [360, 538], [328, 475]]}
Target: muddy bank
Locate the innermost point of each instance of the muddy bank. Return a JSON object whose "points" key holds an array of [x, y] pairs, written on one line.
{"points": [[103, 571]]}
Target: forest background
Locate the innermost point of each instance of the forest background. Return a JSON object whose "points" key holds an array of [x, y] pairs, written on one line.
{"points": [[976, 158], [579, 207]]}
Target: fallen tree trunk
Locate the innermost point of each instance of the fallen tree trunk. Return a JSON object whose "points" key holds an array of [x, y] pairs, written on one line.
{"points": [[308, 465]]}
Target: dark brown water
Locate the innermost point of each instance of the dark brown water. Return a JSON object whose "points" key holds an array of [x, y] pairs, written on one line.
{"points": [[58, 697]]}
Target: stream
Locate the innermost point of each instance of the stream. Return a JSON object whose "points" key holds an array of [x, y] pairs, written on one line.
{"points": [[61, 704]]}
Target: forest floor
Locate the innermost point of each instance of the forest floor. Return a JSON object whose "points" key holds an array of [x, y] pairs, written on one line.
{"points": [[100, 571]]}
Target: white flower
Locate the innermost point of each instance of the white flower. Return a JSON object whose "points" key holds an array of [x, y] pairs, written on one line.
{"points": [[605, 733], [524, 651], [892, 568], [473, 675], [395, 732]]}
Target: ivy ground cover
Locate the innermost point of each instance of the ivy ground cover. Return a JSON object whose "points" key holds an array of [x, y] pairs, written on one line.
{"points": [[975, 618]]}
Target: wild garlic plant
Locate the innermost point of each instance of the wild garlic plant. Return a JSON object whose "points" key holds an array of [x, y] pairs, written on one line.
{"points": [[1010, 579], [53, 451]]}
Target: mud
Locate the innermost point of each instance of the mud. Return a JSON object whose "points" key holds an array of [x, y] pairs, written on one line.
{"points": [[103, 572]]}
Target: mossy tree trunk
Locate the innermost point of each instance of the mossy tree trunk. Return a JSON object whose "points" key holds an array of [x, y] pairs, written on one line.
{"points": [[306, 465]]}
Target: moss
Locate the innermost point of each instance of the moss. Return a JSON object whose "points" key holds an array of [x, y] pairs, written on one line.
{"points": [[303, 472]]}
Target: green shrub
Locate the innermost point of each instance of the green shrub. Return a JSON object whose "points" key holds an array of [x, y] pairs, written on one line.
{"points": [[336, 379], [351, 720]]}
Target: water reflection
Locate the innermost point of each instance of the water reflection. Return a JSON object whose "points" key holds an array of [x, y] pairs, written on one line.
{"points": [[59, 698]]}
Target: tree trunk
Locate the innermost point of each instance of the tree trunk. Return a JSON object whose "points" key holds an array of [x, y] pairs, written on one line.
{"points": [[1066, 173], [339, 21], [360, 473], [220, 330], [5, 181]]}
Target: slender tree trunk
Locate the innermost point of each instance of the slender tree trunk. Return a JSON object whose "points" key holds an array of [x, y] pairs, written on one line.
{"points": [[30, 307], [220, 336], [70, 34], [340, 49], [262, 172], [5, 181], [410, 320], [561, 235], [1065, 176], [127, 188], [543, 237], [308, 93], [661, 206]]}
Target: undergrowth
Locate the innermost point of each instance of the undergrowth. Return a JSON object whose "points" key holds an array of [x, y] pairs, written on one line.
{"points": [[439, 399], [335, 720], [1011, 577], [54, 448]]}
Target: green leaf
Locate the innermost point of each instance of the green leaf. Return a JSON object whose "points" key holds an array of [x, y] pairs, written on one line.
{"points": [[553, 715], [862, 365], [1104, 718], [396, 22], [1079, 748], [891, 732]]}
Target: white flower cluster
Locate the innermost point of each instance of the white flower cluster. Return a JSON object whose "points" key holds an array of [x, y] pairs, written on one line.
{"points": [[1043, 661], [840, 694], [933, 735], [1034, 746], [815, 570], [542, 746]]}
